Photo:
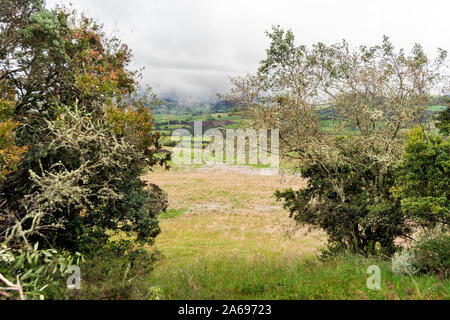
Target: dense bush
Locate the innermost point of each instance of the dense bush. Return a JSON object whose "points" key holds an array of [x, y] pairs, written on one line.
{"points": [[41, 273], [75, 107], [75, 137], [94, 187], [115, 272], [423, 179], [432, 254], [360, 216]]}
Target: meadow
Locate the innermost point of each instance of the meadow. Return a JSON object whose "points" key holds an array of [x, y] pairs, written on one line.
{"points": [[225, 237]]}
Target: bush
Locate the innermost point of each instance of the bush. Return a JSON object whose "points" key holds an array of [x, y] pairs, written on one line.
{"points": [[76, 135], [404, 263], [42, 273], [92, 188], [87, 131], [433, 254], [116, 272], [358, 216], [423, 179]]}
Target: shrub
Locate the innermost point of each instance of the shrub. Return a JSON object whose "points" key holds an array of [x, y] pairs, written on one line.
{"points": [[42, 273], [89, 133], [75, 136], [423, 179], [93, 188], [358, 216], [433, 253], [116, 272], [404, 263]]}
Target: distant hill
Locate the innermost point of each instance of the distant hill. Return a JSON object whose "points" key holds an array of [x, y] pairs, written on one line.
{"points": [[171, 105], [214, 123], [222, 106]]}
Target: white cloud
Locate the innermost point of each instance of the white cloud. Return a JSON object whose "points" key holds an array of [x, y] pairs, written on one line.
{"points": [[191, 47]]}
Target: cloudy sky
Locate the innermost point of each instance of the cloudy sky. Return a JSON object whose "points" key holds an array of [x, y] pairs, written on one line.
{"points": [[190, 48]]}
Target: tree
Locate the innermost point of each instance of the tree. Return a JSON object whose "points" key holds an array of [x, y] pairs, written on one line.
{"points": [[374, 94], [77, 110]]}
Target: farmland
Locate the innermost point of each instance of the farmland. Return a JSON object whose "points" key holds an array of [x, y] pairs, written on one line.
{"points": [[166, 124]]}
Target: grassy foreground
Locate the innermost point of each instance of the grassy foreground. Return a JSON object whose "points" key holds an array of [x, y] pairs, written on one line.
{"points": [[243, 277], [224, 237]]}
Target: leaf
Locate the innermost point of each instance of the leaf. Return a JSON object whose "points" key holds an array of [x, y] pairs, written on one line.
{"points": [[43, 288], [39, 271]]}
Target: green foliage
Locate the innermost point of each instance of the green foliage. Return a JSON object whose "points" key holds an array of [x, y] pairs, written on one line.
{"points": [[432, 253], [116, 272], [349, 176], [136, 213], [42, 273], [88, 132], [444, 121], [358, 215], [423, 179]]}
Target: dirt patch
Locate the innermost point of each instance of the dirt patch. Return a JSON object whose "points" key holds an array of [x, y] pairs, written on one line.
{"points": [[224, 188]]}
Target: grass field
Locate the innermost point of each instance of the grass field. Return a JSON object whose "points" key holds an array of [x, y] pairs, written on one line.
{"points": [[225, 237]]}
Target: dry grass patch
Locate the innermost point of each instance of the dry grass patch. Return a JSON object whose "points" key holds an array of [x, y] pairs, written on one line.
{"points": [[229, 210], [226, 237]]}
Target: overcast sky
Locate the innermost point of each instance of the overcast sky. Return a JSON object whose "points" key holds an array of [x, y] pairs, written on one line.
{"points": [[190, 48]]}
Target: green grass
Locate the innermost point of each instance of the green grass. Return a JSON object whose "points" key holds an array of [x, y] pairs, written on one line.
{"points": [[235, 276], [222, 239], [172, 213], [160, 118]]}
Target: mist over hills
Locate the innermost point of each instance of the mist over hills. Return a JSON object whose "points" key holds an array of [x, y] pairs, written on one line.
{"points": [[174, 105]]}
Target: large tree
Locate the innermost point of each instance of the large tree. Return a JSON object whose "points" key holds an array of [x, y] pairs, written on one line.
{"points": [[85, 126], [370, 96]]}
